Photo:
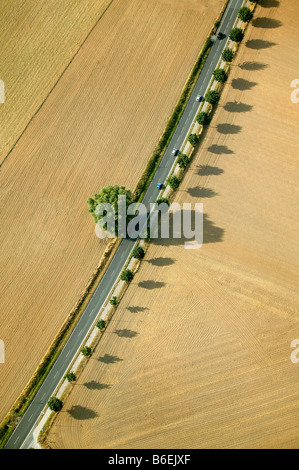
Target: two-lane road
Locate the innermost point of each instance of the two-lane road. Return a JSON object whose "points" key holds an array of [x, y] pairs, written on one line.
{"points": [[23, 433]]}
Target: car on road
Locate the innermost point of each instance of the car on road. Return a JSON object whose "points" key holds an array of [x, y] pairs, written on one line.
{"points": [[199, 98], [160, 185], [175, 152], [220, 35]]}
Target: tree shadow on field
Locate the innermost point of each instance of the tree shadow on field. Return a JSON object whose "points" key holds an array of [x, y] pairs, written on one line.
{"points": [[235, 107], [207, 170], [108, 359], [267, 23], [125, 333], [161, 261], [228, 128], [211, 232], [137, 309], [93, 385], [257, 44], [151, 284], [220, 149], [270, 3], [253, 66], [82, 412], [201, 192], [242, 84]]}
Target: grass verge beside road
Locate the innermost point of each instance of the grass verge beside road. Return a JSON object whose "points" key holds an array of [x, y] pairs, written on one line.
{"points": [[164, 140], [20, 406]]}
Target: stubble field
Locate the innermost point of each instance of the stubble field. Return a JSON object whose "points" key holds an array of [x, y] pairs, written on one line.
{"points": [[37, 41], [198, 352], [98, 127]]}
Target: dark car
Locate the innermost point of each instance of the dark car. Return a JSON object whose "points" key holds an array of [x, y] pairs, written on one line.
{"points": [[220, 35]]}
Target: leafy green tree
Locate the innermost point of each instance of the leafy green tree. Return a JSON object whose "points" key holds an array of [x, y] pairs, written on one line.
{"points": [[245, 14], [193, 139], [86, 351], [127, 275], [220, 75], [203, 118], [110, 195], [227, 55], [173, 181], [213, 97], [162, 200], [138, 252], [114, 301], [55, 404], [91, 202], [71, 377], [183, 160], [236, 35], [101, 324]]}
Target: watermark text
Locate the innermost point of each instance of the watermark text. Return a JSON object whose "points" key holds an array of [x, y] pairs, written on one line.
{"points": [[295, 353], [295, 93], [178, 222]]}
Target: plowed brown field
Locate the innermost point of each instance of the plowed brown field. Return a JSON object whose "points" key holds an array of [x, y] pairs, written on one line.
{"points": [[198, 352], [98, 126]]}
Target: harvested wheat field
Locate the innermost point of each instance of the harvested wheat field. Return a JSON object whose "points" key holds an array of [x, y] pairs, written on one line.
{"points": [[198, 352], [37, 41], [98, 127]]}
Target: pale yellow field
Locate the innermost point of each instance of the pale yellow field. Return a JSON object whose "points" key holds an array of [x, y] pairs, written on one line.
{"points": [[98, 127], [37, 41], [198, 352]]}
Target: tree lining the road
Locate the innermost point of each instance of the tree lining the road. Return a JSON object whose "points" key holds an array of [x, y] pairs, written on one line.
{"points": [[155, 161], [220, 75], [236, 35], [203, 118], [245, 14], [212, 97], [55, 404], [227, 55], [109, 195]]}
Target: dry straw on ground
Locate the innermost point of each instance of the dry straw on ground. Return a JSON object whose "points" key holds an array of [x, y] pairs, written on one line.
{"points": [[198, 353], [98, 126]]}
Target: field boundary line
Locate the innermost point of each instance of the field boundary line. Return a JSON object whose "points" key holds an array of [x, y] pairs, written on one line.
{"points": [[63, 389], [91, 339], [198, 63], [55, 84]]}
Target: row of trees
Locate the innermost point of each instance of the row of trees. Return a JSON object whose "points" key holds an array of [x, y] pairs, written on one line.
{"points": [[110, 193], [236, 34], [54, 403], [213, 96], [245, 15]]}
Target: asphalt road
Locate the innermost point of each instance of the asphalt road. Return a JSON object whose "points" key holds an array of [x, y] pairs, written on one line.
{"points": [[22, 433]]}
